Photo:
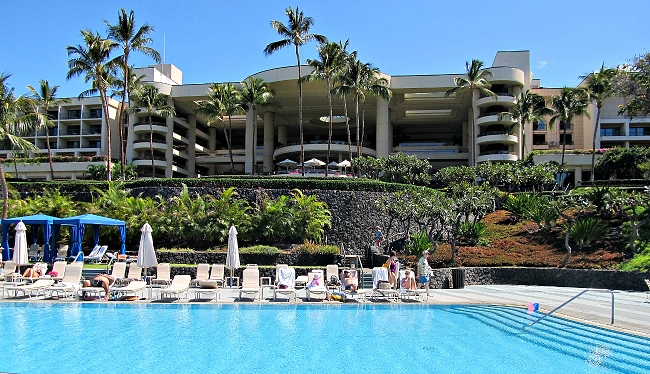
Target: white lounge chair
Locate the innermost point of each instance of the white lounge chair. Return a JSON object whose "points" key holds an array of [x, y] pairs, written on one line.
{"points": [[647, 283], [250, 282], [135, 274], [217, 274], [180, 285], [118, 271], [353, 279], [332, 274], [202, 273], [316, 285], [32, 289], [285, 278], [62, 253], [131, 289], [59, 268], [379, 282], [8, 271], [69, 285], [406, 294], [163, 275], [33, 254], [97, 255]]}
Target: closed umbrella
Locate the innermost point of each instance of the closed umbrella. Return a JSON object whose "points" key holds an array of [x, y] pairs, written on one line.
{"points": [[146, 253], [20, 245], [232, 257]]}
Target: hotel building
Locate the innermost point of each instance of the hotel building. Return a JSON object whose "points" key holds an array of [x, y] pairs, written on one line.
{"points": [[461, 129]]}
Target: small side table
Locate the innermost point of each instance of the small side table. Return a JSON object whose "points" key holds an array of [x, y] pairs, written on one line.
{"points": [[301, 281], [230, 282]]}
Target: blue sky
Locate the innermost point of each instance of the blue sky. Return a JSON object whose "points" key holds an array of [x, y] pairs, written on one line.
{"points": [[217, 41]]}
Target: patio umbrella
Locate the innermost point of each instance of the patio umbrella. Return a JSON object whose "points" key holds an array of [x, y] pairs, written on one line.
{"points": [[146, 252], [232, 257], [314, 162], [20, 245], [345, 164], [333, 164], [288, 163]]}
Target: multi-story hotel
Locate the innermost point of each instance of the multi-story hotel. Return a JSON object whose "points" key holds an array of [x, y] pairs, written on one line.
{"points": [[419, 119]]}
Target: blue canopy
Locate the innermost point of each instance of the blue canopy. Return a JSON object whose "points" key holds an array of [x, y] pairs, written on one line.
{"points": [[77, 227], [38, 219]]}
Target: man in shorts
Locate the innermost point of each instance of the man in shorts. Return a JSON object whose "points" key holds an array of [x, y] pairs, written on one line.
{"points": [[101, 280], [423, 270]]}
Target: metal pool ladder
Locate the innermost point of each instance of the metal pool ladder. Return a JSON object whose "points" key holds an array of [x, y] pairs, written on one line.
{"points": [[570, 300]]}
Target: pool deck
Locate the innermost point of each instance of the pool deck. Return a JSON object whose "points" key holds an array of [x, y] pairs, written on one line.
{"points": [[632, 310]]}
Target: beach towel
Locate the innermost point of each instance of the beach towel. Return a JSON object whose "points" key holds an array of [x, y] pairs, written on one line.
{"points": [[286, 277]]}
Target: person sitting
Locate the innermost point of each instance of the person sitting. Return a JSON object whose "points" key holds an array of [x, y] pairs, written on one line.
{"points": [[350, 282], [408, 282], [101, 280]]}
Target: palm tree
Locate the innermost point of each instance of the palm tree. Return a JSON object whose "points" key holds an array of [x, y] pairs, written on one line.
{"points": [[530, 107], [17, 119], [571, 103], [341, 88], [148, 99], [476, 80], [254, 93], [224, 100], [376, 86], [331, 58], [131, 39], [599, 87], [45, 98], [92, 61], [296, 33]]}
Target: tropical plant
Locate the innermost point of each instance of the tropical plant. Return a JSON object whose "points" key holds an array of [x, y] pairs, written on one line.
{"points": [[273, 218], [571, 103], [92, 61], [587, 230], [456, 175], [418, 243], [223, 100], [331, 59], [472, 233], [131, 39], [340, 88], [45, 98], [311, 216], [401, 168], [530, 107], [295, 33], [147, 99], [599, 87], [95, 172], [633, 82], [622, 163], [375, 85], [17, 119], [255, 93]]}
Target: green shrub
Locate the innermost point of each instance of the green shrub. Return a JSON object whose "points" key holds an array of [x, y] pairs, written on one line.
{"points": [[521, 204], [316, 249], [473, 232], [418, 243], [640, 262], [586, 230], [261, 250]]}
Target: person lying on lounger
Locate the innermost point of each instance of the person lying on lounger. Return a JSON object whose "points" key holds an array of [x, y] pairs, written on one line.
{"points": [[101, 280], [349, 282], [33, 272], [408, 282]]}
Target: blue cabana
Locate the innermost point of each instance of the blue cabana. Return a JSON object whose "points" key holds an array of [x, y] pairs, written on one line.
{"points": [[78, 226], [35, 220]]}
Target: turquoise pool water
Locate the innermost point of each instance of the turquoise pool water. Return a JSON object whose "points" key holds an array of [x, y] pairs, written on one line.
{"points": [[251, 338]]}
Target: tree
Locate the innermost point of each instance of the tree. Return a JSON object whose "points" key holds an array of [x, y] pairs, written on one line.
{"points": [[571, 103], [255, 93], [17, 119], [92, 61], [633, 81], [622, 163], [295, 33], [331, 58], [147, 99], [45, 98], [131, 39], [599, 87], [341, 89], [372, 84], [224, 100], [530, 107]]}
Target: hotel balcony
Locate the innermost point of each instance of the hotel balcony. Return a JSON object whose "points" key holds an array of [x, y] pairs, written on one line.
{"points": [[493, 119], [498, 137], [313, 149], [496, 156], [504, 99], [144, 146], [144, 128]]}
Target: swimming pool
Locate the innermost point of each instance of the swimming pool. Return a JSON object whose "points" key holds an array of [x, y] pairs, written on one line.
{"points": [[251, 338]]}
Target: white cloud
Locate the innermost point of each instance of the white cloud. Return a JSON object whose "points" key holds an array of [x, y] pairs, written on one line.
{"points": [[541, 64]]}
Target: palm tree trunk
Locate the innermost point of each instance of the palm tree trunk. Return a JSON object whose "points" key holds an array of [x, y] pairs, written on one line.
{"points": [[104, 99], [153, 166], [593, 143], [356, 104], [229, 139], [49, 150], [302, 140], [329, 137], [363, 123], [122, 110], [5, 193], [13, 158], [347, 125], [563, 146]]}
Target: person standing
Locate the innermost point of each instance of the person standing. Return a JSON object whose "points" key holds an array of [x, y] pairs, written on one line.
{"points": [[424, 270], [379, 236]]}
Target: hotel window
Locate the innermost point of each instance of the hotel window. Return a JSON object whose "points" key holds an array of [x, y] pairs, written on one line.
{"points": [[610, 131], [74, 114], [94, 144], [568, 138], [96, 113], [72, 144], [539, 125], [639, 131], [52, 114], [539, 139]]}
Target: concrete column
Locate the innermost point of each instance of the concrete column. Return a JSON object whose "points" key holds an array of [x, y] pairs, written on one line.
{"points": [[249, 142], [212, 146], [191, 149], [269, 141], [131, 139], [169, 154], [382, 139], [577, 176], [282, 135]]}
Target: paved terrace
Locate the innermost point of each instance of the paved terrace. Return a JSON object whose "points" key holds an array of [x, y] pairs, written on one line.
{"points": [[632, 310]]}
